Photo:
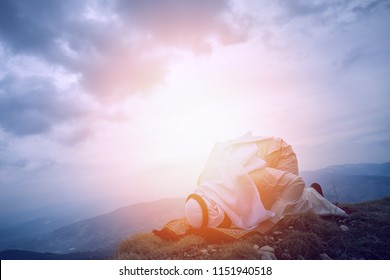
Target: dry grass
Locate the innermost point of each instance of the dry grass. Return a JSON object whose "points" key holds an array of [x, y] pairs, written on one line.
{"points": [[369, 225], [150, 247]]}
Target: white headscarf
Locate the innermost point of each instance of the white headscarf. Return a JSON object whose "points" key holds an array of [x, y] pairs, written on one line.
{"points": [[194, 213]]}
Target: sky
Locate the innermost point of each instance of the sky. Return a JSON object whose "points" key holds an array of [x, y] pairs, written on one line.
{"points": [[127, 98]]}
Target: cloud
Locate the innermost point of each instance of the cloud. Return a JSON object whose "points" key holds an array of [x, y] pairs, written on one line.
{"points": [[336, 11], [118, 47], [368, 7], [355, 55], [34, 105], [186, 23], [115, 49], [27, 26], [303, 8]]}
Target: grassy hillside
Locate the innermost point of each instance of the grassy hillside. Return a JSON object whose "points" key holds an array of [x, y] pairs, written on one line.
{"points": [[364, 234]]}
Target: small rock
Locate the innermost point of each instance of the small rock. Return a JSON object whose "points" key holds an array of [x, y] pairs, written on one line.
{"points": [[267, 253], [285, 250], [344, 228], [267, 256], [325, 256], [277, 232], [256, 247], [291, 227], [267, 248], [204, 251]]}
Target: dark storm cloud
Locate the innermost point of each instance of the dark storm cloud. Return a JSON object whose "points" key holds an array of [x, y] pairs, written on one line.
{"points": [[302, 8], [52, 29], [371, 7], [355, 55], [33, 106], [33, 26], [29, 25], [183, 22], [324, 11], [115, 51]]}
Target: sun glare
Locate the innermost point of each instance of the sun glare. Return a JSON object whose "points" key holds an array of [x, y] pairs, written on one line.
{"points": [[172, 130]]}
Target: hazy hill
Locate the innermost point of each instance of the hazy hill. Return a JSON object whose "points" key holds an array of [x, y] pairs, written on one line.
{"points": [[105, 231], [11, 235], [18, 228], [62, 213], [29, 255], [369, 169], [352, 183]]}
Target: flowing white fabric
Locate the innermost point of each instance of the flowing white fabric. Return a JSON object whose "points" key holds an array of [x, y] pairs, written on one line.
{"points": [[225, 182], [227, 188], [313, 202]]}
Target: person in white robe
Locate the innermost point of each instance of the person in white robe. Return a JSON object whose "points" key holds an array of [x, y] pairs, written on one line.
{"points": [[252, 182]]}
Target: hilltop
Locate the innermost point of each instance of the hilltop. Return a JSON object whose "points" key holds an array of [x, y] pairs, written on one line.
{"points": [[364, 234]]}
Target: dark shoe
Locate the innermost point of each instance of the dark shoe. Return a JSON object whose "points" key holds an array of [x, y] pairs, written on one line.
{"points": [[318, 188]]}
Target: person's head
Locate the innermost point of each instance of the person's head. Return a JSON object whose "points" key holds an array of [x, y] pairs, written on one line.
{"points": [[201, 212], [194, 214]]}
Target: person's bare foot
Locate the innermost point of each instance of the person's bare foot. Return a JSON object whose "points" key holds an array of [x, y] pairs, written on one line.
{"points": [[318, 188]]}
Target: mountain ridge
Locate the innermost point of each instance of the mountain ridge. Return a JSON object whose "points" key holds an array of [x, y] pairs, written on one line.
{"points": [[370, 169], [352, 183], [103, 232]]}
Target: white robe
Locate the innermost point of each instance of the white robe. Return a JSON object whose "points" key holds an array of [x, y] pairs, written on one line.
{"points": [[228, 188]]}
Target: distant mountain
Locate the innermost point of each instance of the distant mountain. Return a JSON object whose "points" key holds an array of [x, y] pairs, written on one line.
{"points": [[21, 226], [28, 255], [27, 230], [352, 183], [369, 169], [69, 212], [105, 231]]}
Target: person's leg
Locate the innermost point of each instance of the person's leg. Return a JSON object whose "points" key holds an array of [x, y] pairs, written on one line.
{"points": [[291, 195], [318, 188], [279, 184], [278, 189], [313, 201], [281, 199]]}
